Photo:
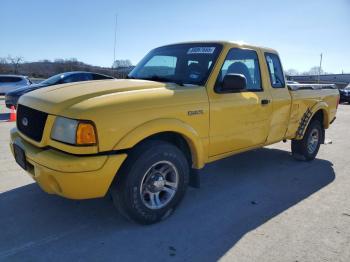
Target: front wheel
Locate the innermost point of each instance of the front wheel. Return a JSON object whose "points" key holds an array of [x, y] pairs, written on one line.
{"points": [[307, 148], [151, 183]]}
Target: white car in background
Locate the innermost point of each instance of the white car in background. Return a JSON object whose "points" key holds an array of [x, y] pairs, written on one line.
{"points": [[12, 82], [290, 82]]}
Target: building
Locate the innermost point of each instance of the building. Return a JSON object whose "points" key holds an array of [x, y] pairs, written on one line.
{"points": [[340, 80]]}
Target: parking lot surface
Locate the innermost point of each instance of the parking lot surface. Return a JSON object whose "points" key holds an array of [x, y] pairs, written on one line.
{"points": [[257, 206]]}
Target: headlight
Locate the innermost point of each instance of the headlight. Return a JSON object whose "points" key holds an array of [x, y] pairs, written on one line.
{"points": [[73, 132]]}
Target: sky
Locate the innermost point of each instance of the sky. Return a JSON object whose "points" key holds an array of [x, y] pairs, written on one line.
{"points": [[299, 30]]}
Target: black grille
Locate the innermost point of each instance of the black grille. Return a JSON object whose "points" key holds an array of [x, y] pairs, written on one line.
{"points": [[31, 122]]}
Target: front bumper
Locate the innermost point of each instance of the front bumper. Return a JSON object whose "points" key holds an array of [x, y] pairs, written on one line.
{"points": [[70, 176]]}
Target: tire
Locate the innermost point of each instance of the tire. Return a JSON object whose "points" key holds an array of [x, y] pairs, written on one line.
{"points": [[151, 183], [307, 148]]}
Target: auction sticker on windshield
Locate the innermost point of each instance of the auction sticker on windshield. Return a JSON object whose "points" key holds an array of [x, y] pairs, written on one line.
{"points": [[201, 50]]}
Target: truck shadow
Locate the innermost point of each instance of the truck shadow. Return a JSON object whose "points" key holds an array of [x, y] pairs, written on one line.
{"points": [[238, 194]]}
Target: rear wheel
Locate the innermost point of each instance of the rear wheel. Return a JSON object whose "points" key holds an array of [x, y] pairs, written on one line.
{"points": [[307, 148], [151, 183]]}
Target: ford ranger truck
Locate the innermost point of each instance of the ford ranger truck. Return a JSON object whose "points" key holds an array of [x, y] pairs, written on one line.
{"points": [[142, 139]]}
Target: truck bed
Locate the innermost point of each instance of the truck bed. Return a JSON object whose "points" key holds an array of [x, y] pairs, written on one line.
{"points": [[305, 98], [296, 87]]}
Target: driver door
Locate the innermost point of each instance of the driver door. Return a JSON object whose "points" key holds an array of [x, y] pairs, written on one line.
{"points": [[239, 120]]}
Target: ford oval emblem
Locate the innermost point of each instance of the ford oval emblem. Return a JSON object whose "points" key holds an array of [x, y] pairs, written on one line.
{"points": [[25, 121]]}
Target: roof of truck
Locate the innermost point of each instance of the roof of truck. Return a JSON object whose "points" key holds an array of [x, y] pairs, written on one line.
{"points": [[234, 43]]}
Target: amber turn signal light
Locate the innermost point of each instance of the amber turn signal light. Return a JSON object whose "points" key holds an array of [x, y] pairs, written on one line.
{"points": [[86, 134]]}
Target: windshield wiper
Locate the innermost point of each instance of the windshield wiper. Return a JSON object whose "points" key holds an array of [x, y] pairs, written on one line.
{"points": [[162, 79]]}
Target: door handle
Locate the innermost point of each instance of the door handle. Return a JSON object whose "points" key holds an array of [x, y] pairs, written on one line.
{"points": [[265, 101]]}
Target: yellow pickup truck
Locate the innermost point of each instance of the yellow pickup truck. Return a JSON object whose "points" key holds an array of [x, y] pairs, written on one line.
{"points": [[144, 138]]}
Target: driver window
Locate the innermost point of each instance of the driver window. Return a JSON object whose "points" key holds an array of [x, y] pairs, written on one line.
{"points": [[244, 62]]}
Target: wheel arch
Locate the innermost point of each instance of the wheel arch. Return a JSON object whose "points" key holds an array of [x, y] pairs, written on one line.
{"points": [[171, 130], [319, 112]]}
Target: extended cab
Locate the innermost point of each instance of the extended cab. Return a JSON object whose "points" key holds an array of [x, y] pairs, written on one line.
{"points": [[143, 138]]}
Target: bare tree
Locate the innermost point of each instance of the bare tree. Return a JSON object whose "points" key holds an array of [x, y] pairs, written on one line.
{"points": [[46, 68], [15, 61], [314, 71], [122, 63], [291, 72], [3, 65]]}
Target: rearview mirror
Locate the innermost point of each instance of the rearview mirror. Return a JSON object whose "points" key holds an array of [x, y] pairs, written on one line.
{"points": [[233, 83]]}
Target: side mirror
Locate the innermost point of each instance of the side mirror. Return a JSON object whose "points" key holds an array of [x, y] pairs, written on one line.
{"points": [[233, 83]]}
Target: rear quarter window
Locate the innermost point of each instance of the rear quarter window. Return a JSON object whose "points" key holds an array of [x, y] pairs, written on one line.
{"points": [[275, 70]]}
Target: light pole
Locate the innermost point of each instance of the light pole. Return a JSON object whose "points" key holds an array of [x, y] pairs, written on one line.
{"points": [[115, 38], [319, 69]]}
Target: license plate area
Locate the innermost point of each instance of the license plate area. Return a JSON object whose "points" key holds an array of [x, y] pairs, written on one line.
{"points": [[20, 156]]}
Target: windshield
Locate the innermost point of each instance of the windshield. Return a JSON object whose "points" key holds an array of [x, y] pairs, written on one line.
{"points": [[181, 63], [53, 80]]}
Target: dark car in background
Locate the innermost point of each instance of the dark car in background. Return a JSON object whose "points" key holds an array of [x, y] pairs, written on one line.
{"points": [[11, 82], [345, 94], [12, 97]]}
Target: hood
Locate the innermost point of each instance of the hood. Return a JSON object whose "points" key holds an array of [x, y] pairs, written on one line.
{"points": [[54, 99]]}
